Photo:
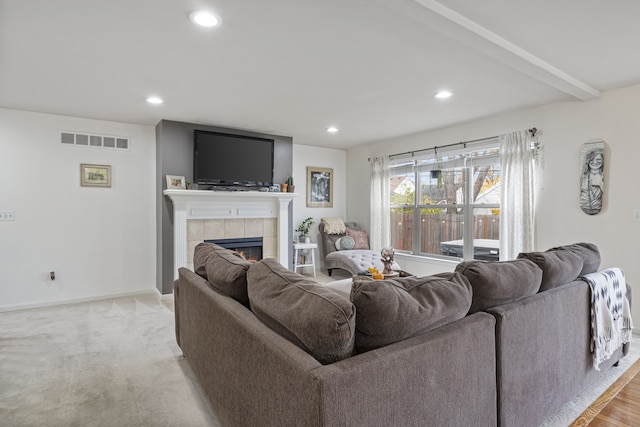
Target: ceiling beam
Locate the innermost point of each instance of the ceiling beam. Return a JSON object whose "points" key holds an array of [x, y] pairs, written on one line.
{"points": [[470, 33]]}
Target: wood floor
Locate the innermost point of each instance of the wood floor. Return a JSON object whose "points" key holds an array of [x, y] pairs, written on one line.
{"points": [[619, 406]]}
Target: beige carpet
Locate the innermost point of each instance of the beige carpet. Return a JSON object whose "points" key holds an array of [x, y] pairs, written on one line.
{"points": [[116, 363], [107, 363]]}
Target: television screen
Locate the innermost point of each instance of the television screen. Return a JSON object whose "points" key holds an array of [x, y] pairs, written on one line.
{"points": [[228, 160]]}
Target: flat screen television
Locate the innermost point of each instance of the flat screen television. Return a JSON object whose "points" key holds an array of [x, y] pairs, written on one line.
{"points": [[228, 160]]}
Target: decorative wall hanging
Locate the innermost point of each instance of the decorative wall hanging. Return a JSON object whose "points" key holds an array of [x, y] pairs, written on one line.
{"points": [[592, 176], [319, 187], [95, 175]]}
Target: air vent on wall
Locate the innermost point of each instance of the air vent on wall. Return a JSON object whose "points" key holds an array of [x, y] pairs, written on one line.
{"points": [[91, 140]]}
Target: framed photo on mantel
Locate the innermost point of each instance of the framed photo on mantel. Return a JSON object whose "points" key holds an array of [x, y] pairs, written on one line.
{"points": [[319, 187], [175, 182]]}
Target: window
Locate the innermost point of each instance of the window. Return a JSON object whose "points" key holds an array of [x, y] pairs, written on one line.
{"points": [[447, 205]]}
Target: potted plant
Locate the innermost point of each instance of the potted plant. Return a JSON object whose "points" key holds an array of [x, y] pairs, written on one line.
{"points": [[290, 187], [303, 229]]}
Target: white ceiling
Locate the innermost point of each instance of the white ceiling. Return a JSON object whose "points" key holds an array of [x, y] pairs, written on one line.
{"points": [[295, 67]]}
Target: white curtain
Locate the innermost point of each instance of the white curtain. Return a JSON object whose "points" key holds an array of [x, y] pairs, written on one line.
{"points": [[379, 233], [517, 199]]}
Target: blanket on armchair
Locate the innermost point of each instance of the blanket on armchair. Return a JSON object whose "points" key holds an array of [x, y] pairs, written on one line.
{"points": [[333, 225], [611, 323]]}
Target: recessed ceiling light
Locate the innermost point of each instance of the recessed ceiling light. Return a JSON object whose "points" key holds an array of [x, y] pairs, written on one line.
{"points": [[443, 94], [332, 129], [204, 19], [154, 100]]}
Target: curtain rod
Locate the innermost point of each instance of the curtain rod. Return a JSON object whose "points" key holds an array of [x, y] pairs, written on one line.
{"points": [[532, 131]]}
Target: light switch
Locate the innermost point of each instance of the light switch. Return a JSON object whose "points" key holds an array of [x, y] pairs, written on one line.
{"points": [[636, 215]]}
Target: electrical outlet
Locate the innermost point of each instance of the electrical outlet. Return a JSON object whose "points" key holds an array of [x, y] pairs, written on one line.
{"points": [[7, 215]]}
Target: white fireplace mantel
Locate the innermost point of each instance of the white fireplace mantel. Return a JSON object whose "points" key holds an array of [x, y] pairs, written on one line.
{"points": [[206, 204]]}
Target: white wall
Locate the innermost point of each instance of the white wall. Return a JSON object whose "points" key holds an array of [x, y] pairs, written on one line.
{"points": [[563, 127], [99, 241], [303, 156]]}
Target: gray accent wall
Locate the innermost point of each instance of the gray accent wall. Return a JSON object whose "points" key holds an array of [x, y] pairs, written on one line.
{"points": [[174, 156]]}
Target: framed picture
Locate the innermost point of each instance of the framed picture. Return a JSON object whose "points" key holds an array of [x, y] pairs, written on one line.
{"points": [[319, 187], [175, 182], [95, 175]]}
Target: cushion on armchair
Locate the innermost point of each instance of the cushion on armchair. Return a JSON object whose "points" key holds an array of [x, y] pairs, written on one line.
{"points": [[314, 318], [328, 241], [500, 282], [345, 243], [392, 310], [360, 238]]}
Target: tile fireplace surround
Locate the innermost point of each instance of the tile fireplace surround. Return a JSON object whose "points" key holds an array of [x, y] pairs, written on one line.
{"points": [[203, 214]]}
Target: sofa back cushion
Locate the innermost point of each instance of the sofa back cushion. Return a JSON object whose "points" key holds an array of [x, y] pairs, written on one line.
{"points": [[558, 267], [500, 282], [316, 319], [392, 310], [588, 252], [226, 271], [200, 254]]}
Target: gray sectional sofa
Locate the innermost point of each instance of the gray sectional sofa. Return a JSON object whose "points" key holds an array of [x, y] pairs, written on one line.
{"points": [[480, 346]]}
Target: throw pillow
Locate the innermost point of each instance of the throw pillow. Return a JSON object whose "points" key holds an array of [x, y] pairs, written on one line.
{"points": [[314, 318], [345, 243], [227, 273], [360, 238], [589, 253], [558, 267], [500, 282], [393, 310]]}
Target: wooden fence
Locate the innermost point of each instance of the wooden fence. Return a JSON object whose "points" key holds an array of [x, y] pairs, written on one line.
{"points": [[436, 228]]}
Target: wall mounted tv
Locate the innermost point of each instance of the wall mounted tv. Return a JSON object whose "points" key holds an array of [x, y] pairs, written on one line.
{"points": [[228, 160]]}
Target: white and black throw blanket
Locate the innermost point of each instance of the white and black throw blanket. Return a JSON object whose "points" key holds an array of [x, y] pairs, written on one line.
{"points": [[611, 324]]}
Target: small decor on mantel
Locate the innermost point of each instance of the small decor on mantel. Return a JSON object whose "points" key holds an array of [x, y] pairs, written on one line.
{"points": [[175, 182], [291, 188], [304, 228]]}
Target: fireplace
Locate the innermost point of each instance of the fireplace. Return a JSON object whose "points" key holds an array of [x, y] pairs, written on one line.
{"points": [[207, 209], [248, 247]]}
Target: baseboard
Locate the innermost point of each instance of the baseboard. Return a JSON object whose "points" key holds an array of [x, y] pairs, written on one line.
{"points": [[163, 297], [30, 306]]}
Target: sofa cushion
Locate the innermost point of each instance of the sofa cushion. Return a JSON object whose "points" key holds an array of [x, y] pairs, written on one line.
{"points": [[588, 252], [360, 238], [392, 310], [500, 282], [311, 316], [200, 254], [227, 273], [558, 267]]}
